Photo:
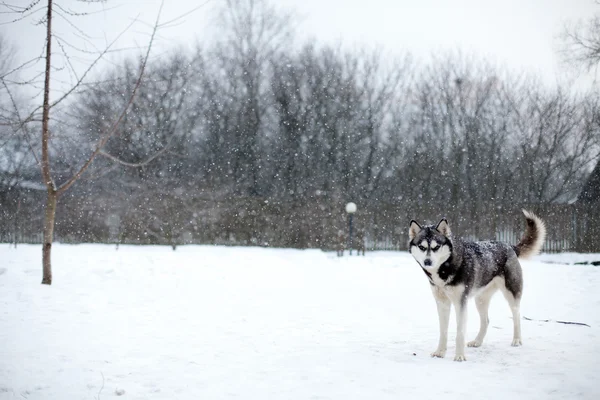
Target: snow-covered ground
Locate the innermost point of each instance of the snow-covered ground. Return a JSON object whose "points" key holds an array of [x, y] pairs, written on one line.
{"points": [[250, 323]]}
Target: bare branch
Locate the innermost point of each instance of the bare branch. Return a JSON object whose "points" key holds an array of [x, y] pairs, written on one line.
{"points": [[67, 58], [87, 13], [100, 144], [100, 56], [139, 164], [68, 21], [18, 9], [26, 63], [581, 44], [96, 51], [180, 17], [25, 12]]}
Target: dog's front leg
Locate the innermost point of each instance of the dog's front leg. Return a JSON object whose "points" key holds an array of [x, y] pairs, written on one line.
{"points": [[460, 307], [443, 308]]}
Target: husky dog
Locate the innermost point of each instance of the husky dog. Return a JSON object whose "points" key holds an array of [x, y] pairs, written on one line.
{"points": [[459, 269]]}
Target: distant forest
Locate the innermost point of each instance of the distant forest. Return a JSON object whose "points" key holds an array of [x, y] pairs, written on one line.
{"points": [[257, 139]]}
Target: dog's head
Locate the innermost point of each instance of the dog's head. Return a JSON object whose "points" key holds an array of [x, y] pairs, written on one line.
{"points": [[430, 245]]}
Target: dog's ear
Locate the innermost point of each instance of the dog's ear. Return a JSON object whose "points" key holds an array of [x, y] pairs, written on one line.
{"points": [[443, 227], [414, 229]]}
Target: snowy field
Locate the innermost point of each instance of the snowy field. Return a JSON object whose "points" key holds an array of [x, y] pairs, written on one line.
{"points": [[249, 323]]}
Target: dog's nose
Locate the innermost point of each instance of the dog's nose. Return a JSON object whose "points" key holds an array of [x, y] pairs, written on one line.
{"points": [[427, 262]]}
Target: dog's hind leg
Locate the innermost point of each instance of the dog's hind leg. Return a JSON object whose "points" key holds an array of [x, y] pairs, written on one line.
{"points": [[443, 308], [512, 291], [483, 304], [515, 306], [482, 301]]}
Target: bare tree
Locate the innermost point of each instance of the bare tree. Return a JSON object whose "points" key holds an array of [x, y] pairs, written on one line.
{"points": [[254, 32], [581, 48], [54, 189], [581, 44]]}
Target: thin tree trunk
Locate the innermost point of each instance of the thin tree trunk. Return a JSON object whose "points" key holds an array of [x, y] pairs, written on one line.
{"points": [[46, 173], [49, 235]]}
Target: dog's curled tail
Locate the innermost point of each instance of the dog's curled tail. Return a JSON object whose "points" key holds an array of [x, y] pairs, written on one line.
{"points": [[532, 241]]}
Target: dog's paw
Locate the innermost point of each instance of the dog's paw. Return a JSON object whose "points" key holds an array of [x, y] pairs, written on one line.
{"points": [[516, 342], [460, 357], [474, 343], [439, 353]]}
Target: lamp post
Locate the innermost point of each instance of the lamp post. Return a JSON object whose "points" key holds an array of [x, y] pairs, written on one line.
{"points": [[350, 209]]}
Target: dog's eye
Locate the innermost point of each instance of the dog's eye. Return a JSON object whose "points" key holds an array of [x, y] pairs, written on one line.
{"points": [[422, 248], [436, 248]]}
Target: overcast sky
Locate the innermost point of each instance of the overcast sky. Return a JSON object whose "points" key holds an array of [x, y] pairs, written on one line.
{"points": [[521, 34]]}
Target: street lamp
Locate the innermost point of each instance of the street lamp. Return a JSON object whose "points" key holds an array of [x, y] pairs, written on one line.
{"points": [[350, 209]]}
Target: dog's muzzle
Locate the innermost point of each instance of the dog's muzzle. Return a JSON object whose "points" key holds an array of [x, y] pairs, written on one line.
{"points": [[427, 262]]}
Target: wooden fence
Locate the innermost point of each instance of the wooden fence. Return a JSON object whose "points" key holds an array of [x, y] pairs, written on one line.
{"points": [[570, 228], [315, 225]]}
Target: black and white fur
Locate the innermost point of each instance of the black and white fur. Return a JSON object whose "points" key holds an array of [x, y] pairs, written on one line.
{"points": [[458, 269]]}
